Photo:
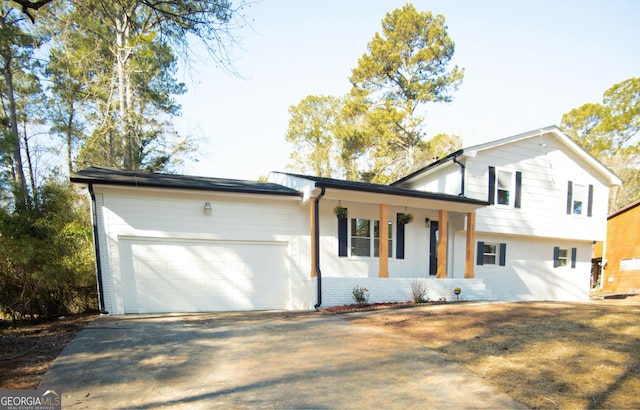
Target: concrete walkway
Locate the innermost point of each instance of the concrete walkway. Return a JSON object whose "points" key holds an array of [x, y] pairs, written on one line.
{"points": [[257, 360]]}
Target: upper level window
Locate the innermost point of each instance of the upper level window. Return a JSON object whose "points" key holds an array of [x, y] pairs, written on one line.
{"points": [[579, 193], [505, 187], [579, 199]]}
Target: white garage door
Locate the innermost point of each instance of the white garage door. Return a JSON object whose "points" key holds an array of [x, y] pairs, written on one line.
{"points": [[189, 276]]}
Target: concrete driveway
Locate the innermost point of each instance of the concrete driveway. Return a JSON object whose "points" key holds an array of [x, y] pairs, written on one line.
{"points": [[257, 360]]}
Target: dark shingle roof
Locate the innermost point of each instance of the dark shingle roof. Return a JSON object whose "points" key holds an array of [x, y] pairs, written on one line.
{"points": [[387, 189], [112, 176]]}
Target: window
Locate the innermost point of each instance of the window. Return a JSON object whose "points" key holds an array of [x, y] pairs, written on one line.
{"points": [[491, 254], [360, 237], [505, 187], [361, 232], [579, 199], [376, 238], [561, 257], [630, 264]]}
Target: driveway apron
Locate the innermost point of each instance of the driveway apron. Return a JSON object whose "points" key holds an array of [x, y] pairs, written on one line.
{"points": [[257, 360]]}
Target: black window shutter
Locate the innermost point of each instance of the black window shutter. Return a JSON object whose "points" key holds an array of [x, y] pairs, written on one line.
{"points": [[342, 237], [492, 186], [518, 201], [556, 254], [480, 254], [569, 197], [574, 254], [503, 254], [399, 239], [590, 203]]}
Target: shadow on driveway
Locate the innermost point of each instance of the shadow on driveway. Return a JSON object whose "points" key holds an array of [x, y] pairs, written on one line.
{"points": [[254, 360]]}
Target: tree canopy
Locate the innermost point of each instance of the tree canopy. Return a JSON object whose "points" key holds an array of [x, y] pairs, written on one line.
{"points": [[377, 132], [95, 80], [609, 131]]}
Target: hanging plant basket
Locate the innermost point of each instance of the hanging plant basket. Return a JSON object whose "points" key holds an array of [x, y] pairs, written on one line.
{"points": [[405, 218], [341, 212]]}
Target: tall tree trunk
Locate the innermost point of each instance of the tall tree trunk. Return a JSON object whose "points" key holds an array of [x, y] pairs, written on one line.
{"points": [[32, 175], [19, 181], [122, 56]]}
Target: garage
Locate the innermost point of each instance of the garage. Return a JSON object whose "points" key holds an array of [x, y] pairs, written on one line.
{"points": [[160, 276]]}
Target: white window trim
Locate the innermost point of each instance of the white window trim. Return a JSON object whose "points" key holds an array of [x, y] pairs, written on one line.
{"points": [[496, 255], [372, 239], [512, 188], [584, 199]]}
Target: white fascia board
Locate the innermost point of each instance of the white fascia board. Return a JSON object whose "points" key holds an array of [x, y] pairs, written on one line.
{"points": [[290, 181], [557, 134]]}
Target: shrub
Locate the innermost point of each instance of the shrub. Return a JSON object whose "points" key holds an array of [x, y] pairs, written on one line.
{"points": [[361, 295], [419, 291]]}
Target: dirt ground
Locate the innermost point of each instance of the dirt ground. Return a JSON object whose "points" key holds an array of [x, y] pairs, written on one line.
{"points": [[27, 351], [543, 354]]}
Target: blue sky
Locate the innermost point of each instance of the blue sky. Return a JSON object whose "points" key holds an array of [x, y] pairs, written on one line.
{"points": [[526, 64]]}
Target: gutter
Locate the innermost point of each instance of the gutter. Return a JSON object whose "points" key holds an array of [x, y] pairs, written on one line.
{"points": [[462, 168], [316, 234], [96, 246]]}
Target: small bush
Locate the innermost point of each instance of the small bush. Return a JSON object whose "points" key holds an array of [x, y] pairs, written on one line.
{"points": [[419, 291], [361, 295]]}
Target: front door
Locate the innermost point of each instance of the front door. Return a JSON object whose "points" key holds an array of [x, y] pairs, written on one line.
{"points": [[433, 248]]}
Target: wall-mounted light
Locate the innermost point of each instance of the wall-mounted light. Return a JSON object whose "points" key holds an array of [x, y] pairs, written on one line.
{"points": [[207, 208], [427, 223]]}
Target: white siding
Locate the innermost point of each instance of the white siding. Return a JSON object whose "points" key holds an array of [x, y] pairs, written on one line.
{"points": [[446, 180], [529, 273], [179, 216], [546, 171], [414, 264]]}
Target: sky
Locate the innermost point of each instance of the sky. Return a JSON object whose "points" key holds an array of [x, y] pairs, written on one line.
{"points": [[526, 64]]}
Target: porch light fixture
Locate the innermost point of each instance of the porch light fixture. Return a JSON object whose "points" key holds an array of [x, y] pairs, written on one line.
{"points": [[207, 208], [427, 223]]}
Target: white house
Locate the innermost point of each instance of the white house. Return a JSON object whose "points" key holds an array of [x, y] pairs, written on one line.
{"points": [[548, 204], [509, 220]]}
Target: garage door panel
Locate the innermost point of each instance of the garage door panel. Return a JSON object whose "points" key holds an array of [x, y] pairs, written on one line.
{"points": [[179, 276]]}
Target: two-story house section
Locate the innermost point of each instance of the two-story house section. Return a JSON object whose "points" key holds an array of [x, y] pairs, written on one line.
{"points": [[548, 204]]}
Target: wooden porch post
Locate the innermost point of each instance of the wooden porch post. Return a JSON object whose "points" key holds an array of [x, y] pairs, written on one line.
{"points": [[471, 239], [312, 234], [383, 242], [442, 244]]}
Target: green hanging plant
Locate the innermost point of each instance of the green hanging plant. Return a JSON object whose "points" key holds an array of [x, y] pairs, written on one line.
{"points": [[341, 212], [405, 218]]}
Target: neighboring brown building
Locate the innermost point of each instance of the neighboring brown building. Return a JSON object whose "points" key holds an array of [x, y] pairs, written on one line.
{"points": [[620, 252]]}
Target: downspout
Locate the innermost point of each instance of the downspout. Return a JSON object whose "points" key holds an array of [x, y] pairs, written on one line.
{"points": [[316, 233], [96, 247], [462, 167]]}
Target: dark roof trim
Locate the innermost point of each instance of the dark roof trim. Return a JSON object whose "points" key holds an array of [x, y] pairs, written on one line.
{"points": [[623, 209], [387, 189], [442, 160], [112, 176]]}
